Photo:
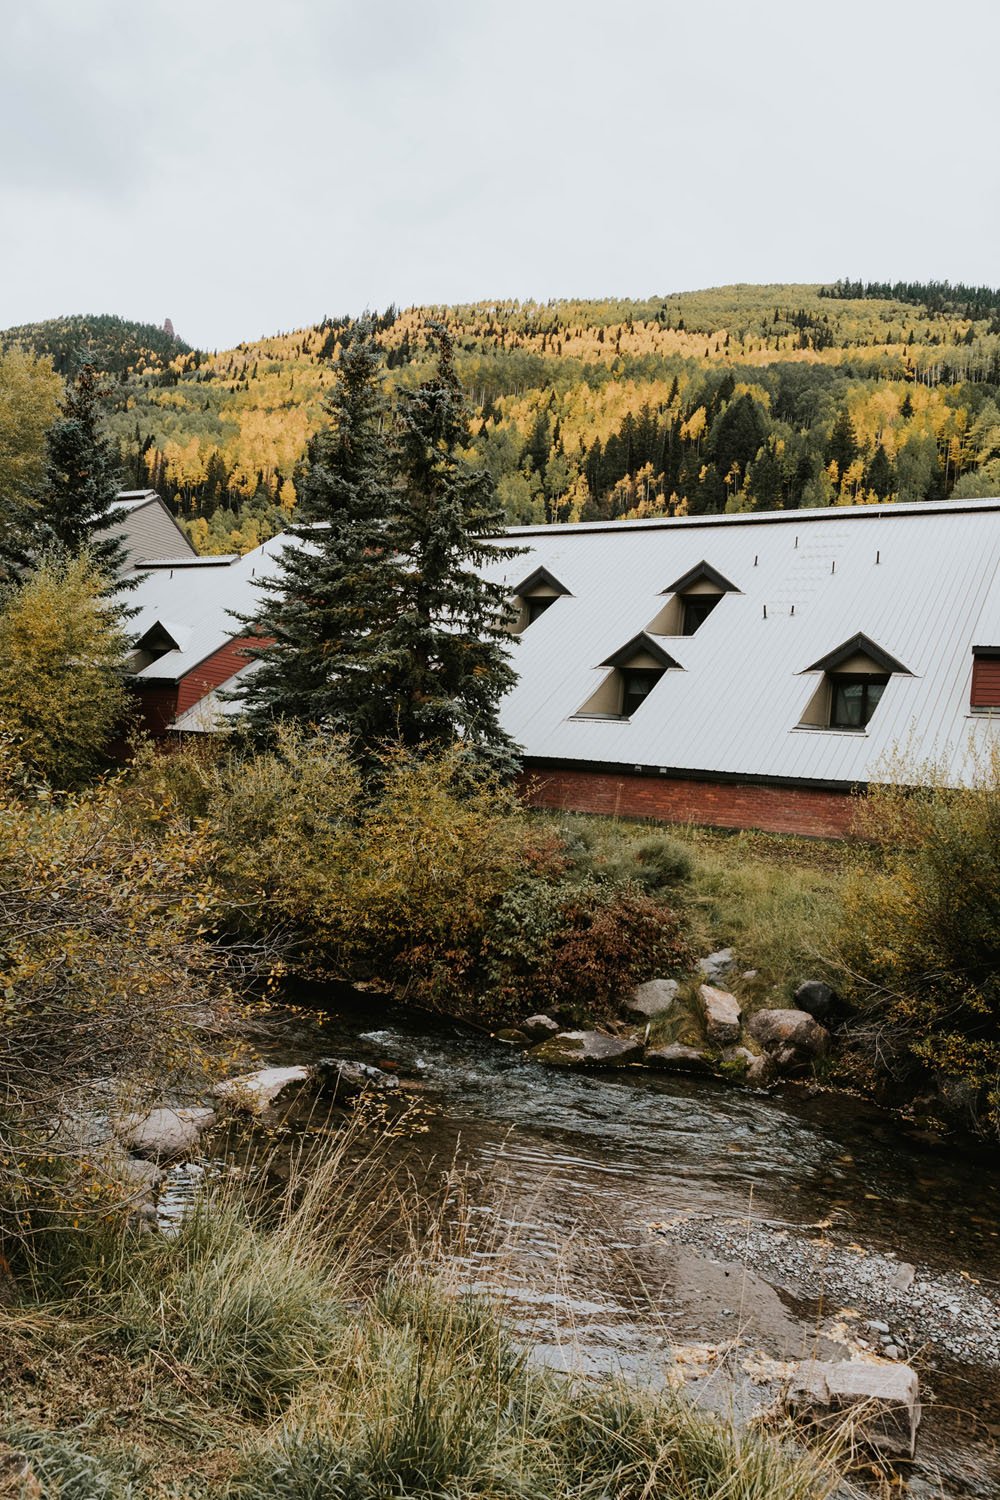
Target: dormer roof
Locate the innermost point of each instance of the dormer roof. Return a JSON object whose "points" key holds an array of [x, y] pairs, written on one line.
{"points": [[859, 645], [641, 644], [703, 572]]}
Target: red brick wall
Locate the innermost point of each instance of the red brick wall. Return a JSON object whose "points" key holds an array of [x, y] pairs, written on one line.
{"points": [[720, 804], [214, 671], [157, 704]]}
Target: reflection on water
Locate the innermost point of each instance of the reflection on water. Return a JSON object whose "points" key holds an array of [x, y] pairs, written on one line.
{"points": [[572, 1168]]}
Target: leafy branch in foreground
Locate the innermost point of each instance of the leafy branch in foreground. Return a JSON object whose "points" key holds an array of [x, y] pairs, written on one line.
{"points": [[107, 983]]}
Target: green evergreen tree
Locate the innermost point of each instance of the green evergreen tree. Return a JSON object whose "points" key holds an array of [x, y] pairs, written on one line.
{"points": [[738, 434], [82, 479], [842, 448], [880, 476], [331, 596], [442, 659]]}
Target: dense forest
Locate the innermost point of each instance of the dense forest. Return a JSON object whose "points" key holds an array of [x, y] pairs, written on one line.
{"points": [[735, 398], [112, 344]]}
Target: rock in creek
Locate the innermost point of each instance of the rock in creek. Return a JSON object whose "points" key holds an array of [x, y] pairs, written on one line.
{"points": [[587, 1049], [256, 1093], [253, 1093], [675, 1057], [654, 998], [512, 1036], [163, 1134], [347, 1080], [722, 1013], [540, 1027], [717, 965], [880, 1399], [816, 999], [791, 1036]]}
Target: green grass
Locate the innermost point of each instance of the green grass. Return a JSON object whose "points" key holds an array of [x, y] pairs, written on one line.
{"points": [[773, 899], [264, 1355]]}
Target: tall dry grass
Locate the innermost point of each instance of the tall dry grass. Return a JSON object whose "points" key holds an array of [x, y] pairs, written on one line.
{"points": [[319, 1344]]}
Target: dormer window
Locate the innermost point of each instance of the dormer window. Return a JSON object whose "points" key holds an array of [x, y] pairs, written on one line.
{"points": [[637, 684], [633, 673], [692, 599], [854, 698], [537, 605], [533, 597], [854, 678], [158, 640], [696, 610]]}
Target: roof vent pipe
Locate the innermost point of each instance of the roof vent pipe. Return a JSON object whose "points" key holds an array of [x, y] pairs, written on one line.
{"points": [[878, 558], [796, 541], [765, 611], [833, 566], [755, 559], [792, 610]]}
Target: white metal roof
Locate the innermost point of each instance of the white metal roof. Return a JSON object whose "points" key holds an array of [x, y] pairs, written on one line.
{"points": [[205, 600], [922, 582]]}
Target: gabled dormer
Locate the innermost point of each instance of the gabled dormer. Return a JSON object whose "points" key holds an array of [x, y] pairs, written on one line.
{"points": [[158, 639], [537, 593], [855, 675], [632, 674], [691, 600]]}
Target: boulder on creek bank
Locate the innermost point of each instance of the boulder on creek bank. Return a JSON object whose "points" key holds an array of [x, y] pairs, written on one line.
{"points": [[587, 1049], [654, 998], [791, 1037], [722, 1013], [675, 1057], [816, 998], [754, 1069], [163, 1134], [717, 965], [540, 1028], [880, 1401]]}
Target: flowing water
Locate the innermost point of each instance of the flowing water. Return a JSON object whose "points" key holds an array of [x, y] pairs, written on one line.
{"points": [[572, 1170]]}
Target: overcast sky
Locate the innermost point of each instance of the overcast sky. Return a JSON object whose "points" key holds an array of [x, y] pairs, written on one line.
{"points": [[244, 166]]}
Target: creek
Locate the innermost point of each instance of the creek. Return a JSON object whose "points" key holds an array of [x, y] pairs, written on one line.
{"points": [[787, 1222]]}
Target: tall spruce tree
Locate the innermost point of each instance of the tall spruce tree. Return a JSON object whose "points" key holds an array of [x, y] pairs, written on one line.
{"points": [[329, 599], [82, 478], [382, 625], [443, 655]]}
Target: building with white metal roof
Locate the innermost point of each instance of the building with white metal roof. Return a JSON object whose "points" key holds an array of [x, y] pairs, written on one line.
{"points": [[745, 669]]}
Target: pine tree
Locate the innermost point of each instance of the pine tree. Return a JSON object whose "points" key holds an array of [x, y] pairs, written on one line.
{"points": [[880, 476], [442, 659], [842, 448], [82, 479], [336, 580]]}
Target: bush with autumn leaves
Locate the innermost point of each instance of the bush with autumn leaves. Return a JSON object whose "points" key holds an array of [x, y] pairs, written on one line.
{"points": [[431, 878]]}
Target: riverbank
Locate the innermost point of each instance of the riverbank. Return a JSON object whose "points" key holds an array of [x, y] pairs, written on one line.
{"points": [[324, 1344]]}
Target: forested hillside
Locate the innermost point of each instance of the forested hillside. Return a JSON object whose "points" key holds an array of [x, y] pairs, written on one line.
{"points": [[112, 344], [736, 398]]}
